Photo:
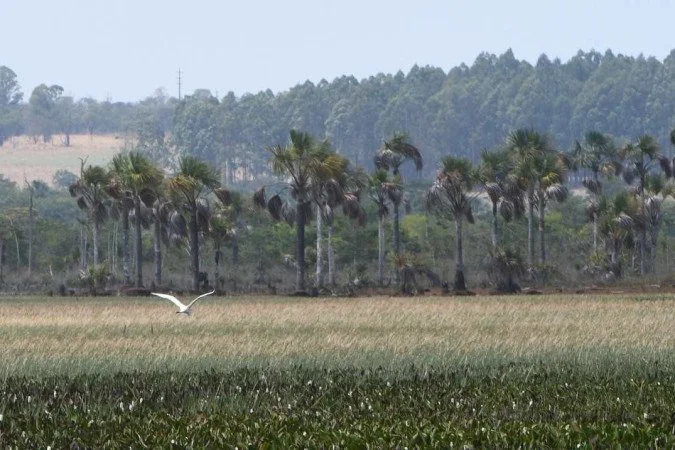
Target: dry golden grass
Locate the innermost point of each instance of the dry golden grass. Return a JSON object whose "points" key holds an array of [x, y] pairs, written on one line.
{"points": [[21, 157], [121, 333]]}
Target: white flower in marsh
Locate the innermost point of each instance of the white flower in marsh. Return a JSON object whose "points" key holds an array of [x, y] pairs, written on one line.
{"points": [[29, 399], [122, 406], [304, 433], [309, 383], [1, 417]]}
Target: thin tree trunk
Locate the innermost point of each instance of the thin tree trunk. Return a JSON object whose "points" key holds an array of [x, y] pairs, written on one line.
{"points": [[300, 247], [83, 246], [542, 218], [460, 283], [595, 232], [380, 250], [138, 246], [235, 250], [595, 217], [530, 227], [331, 257], [216, 270], [397, 239], [2, 254], [319, 249], [158, 250], [654, 238], [30, 232], [495, 227], [126, 251], [18, 253], [643, 232], [194, 248], [95, 239]]}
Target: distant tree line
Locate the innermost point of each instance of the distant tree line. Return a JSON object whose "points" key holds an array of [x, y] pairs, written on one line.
{"points": [[463, 111]]}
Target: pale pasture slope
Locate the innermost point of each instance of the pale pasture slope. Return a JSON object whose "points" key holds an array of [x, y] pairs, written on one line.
{"points": [[56, 335], [22, 158]]}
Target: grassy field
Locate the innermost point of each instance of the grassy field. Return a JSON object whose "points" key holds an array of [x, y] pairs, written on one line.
{"points": [[102, 334], [22, 157], [549, 371]]}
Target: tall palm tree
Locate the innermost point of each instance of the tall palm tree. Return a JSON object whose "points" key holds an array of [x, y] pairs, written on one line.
{"points": [[326, 194], [640, 158], [550, 186], [169, 227], [657, 188], [540, 171], [342, 188], [598, 154], [672, 137], [305, 163], [524, 145], [448, 198], [188, 189], [220, 233], [140, 179], [383, 191], [502, 189], [90, 192], [393, 154], [122, 204], [617, 218]]}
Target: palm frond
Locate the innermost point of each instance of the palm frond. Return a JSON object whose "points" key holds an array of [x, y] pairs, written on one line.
{"points": [[274, 206], [223, 195], [592, 185], [259, 197]]}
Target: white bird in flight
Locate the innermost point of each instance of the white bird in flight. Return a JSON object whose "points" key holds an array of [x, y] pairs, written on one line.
{"points": [[182, 309]]}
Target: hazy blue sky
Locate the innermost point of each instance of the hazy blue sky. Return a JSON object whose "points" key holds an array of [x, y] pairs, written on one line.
{"points": [[125, 49]]}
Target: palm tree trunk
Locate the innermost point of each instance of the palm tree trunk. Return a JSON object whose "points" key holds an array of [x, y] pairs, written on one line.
{"points": [[380, 250], [331, 257], [495, 226], [300, 247], [194, 247], [595, 215], [397, 239], [2, 254], [319, 249], [235, 250], [542, 218], [158, 250], [30, 232], [95, 239], [460, 283], [216, 270], [643, 231], [530, 227], [83, 246], [138, 243], [595, 232], [126, 251]]}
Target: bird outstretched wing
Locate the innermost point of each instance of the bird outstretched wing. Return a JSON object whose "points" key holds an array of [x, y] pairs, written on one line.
{"points": [[173, 299], [203, 295]]}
